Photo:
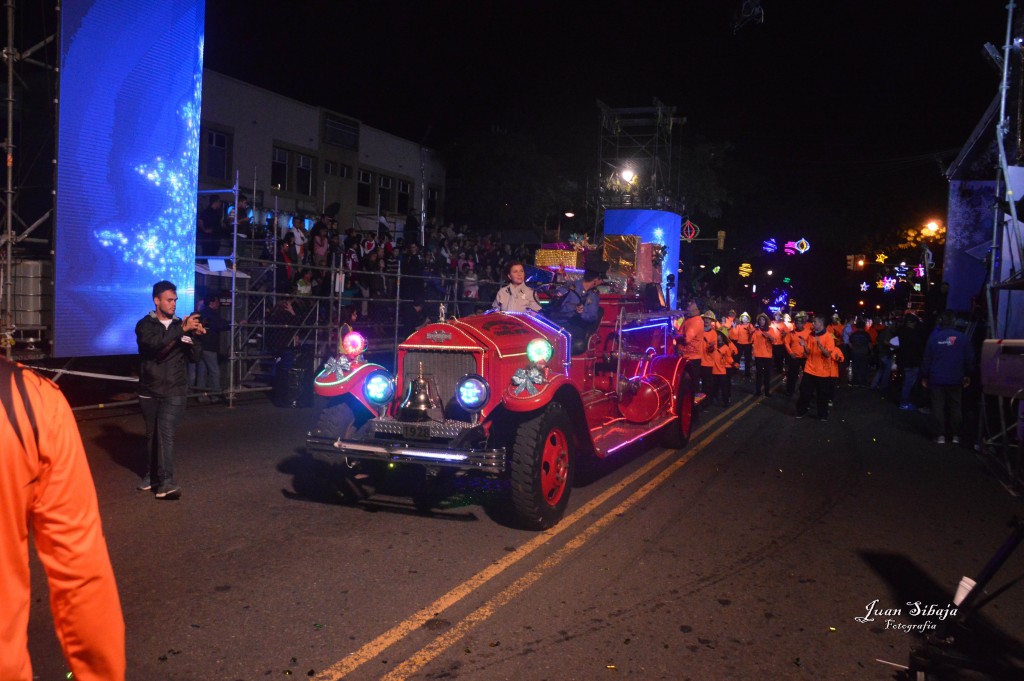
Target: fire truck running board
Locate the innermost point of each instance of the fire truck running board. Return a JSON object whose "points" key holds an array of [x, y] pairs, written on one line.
{"points": [[620, 433]]}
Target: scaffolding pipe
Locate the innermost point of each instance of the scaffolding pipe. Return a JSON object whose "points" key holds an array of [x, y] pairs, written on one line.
{"points": [[8, 325]]}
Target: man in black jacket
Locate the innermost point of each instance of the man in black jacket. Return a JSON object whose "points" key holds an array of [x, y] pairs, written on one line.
{"points": [[166, 346]]}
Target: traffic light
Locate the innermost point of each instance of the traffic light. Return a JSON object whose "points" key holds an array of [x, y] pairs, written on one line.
{"points": [[721, 239], [851, 262]]}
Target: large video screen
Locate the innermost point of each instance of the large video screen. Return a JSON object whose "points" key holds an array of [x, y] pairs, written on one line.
{"points": [[127, 166]]}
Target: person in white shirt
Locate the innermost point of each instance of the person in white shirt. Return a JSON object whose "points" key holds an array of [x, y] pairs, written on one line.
{"points": [[516, 296]]}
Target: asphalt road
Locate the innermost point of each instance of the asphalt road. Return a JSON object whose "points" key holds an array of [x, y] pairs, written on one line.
{"points": [[745, 556]]}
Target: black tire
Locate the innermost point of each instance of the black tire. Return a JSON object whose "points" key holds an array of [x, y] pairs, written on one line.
{"points": [[338, 419], [543, 466], [676, 434]]}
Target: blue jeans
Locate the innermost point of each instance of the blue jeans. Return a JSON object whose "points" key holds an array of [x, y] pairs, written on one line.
{"points": [[909, 381], [208, 372], [162, 416], [881, 380]]}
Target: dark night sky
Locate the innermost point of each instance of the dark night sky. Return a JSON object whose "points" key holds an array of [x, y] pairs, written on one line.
{"points": [[835, 109]]}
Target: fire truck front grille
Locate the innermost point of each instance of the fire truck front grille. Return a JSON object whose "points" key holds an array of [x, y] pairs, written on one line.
{"points": [[443, 369]]}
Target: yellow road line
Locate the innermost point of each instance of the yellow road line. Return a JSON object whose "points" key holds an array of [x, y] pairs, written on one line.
{"points": [[378, 645], [484, 612]]}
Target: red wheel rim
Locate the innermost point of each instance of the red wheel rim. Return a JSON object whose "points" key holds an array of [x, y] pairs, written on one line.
{"points": [[554, 466]]}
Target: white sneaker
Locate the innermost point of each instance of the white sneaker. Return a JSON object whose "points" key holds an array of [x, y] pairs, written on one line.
{"points": [[956, 439], [940, 440]]}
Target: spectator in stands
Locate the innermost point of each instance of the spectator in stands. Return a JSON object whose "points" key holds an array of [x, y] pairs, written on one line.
{"points": [[321, 246], [286, 267], [208, 227]]}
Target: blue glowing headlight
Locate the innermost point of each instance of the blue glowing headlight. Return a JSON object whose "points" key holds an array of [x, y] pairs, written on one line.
{"points": [[472, 392], [379, 387]]}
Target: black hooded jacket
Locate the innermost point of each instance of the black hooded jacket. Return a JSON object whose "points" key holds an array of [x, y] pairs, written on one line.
{"points": [[164, 357]]}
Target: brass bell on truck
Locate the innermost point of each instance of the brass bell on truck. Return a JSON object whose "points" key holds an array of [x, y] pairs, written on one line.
{"points": [[419, 400]]}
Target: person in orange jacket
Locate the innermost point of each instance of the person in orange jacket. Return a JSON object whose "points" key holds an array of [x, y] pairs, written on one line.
{"points": [[763, 336], [742, 334], [690, 338], [722, 362], [822, 356], [46, 491], [796, 351], [709, 344]]}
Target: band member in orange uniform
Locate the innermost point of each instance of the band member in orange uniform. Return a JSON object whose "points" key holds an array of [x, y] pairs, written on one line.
{"points": [[742, 334], [796, 349], [722, 362], [822, 355], [709, 345], [763, 336], [778, 342]]}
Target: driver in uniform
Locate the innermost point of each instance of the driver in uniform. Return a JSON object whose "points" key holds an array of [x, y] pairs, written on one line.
{"points": [[516, 296]]}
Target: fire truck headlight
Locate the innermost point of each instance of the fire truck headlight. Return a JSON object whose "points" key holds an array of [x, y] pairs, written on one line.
{"points": [[379, 387], [472, 392], [539, 350]]}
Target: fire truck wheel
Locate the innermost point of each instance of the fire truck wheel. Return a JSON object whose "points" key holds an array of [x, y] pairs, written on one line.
{"points": [[338, 419], [677, 433], [543, 464]]}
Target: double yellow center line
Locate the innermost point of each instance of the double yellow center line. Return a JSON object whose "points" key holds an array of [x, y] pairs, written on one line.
{"points": [[392, 636]]}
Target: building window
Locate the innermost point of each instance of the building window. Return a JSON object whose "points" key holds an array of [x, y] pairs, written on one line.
{"points": [[304, 175], [404, 196], [384, 195], [330, 168], [365, 188], [344, 171], [213, 154], [279, 170], [341, 132]]}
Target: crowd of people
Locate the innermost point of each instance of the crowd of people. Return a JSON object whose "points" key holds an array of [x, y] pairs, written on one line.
{"points": [[894, 354]]}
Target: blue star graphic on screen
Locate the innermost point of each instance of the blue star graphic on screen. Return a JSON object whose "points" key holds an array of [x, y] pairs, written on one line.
{"points": [[165, 246]]}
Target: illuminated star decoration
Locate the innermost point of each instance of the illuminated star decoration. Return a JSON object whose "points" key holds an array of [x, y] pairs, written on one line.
{"points": [[864, 286], [919, 271], [881, 258], [166, 245], [888, 283]]}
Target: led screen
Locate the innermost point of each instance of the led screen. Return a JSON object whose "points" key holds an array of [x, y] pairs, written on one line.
{"points": [[128, 158]]}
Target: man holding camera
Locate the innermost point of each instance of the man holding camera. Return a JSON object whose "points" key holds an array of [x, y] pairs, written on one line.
{"points": [[166, 345]]}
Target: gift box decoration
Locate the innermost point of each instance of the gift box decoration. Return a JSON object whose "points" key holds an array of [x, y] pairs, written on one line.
{"points": [[558, 257]]}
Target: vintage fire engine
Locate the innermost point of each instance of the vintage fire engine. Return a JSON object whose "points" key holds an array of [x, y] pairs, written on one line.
{"points": [[502, 394]]}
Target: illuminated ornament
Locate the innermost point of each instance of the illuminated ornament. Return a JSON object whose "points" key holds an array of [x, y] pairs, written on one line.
{"points": [[539, 350], [789, 248], [769, 246], [746, 270], [716, 269], [864, 286], [880, 284], [690, 231], [353, 344], [527, 380], [888, 283], [881, 258], [792, 302], [786, 280], [917, 287], [803, 246], [919, 271]]}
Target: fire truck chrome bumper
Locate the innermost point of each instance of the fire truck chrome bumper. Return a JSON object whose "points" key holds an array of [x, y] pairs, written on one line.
{"points": [[488, 460]]}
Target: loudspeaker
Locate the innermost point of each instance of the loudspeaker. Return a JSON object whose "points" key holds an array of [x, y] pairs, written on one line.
{"points": [[293, 382]]}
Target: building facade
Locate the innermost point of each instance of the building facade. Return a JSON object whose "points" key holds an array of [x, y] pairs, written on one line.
{"points": [[302, 160]]}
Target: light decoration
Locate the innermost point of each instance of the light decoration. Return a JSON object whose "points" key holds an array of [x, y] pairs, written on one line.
{"points": [[803, 245], [888, 283], [353, 344], [472, 392], [769, 246], [539, 350], [746, 269], [166, 245], [864, 286], [881, 258], [690, 231], [789, 248], [919, 271], [379, 387], [917, 287], [792, 303], [716, 269], [786, 280], [902, 271]]}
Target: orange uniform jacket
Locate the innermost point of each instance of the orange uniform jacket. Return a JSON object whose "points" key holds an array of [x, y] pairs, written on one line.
{"points": [[793, 342], [836, 330], [722, 358], [742, 333], [46, 487], [693, 341], [822, 354], [780, 332], [708, 347], [763, 342]]}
